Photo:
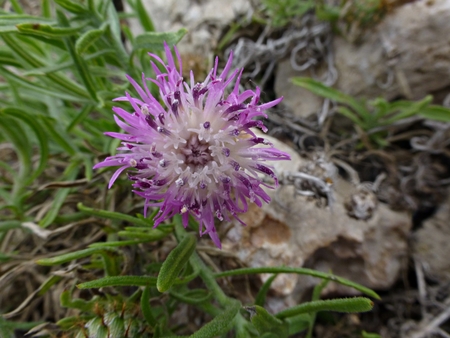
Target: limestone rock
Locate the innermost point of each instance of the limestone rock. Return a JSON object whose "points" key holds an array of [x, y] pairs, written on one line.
{"points": [[204, 21], [405, 55], [296, 231], [431, 244]]}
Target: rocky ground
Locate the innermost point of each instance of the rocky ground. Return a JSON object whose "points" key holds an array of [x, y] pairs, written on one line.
{"points": [[377, 216]]}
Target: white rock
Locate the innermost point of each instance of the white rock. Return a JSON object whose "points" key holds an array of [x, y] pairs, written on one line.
{"points": [[201, 19], [297, 232], [431, 244], [411, 45]]}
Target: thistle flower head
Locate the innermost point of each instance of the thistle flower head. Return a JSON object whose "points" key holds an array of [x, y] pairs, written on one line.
{"points": [[195, 153]]}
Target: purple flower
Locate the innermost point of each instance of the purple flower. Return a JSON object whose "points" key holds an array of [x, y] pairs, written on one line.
{"points": [[196, 152]]}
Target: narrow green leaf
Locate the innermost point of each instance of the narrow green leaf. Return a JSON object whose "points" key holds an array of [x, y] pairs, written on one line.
{"points": [[80, 64], [21, 51], [80, 304], [73, 7], [8, 225], [35, 87], [146, 309], [381, 106], [64, 65], [116, 243], [61, 259], [46, 8], [413, 109], [115, 216], [7, 58], [70, 174], [13, 131], [434, 112], [149, 236], [221, 323], [115, 37], [320, 89], [119, 281], [298, 323], [6, 330], [89, 38], [175, 262], [154, 41], [300, 271], [316, 296], [261, 296], [16, 6], [144, 18], [193, 297], [47, 31], [41, 136], [50, 127], [7, 29], [370, 335], [264, 322], [348, 305]]}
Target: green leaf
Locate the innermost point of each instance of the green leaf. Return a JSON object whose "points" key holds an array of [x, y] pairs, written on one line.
{"points": [[119, 281], [80, 304], [7, 58], [16, 6], [413, 109], [298, 323], [175, 262], [20, 49], [193, 297], [16, 19], [47, 31], [6, 329], [154, 41], [70, 174], [8, 225], [261, 296], [151, 235], [370, 335], [347, 305], [80, 64], [39, 89], [264, 322], [434, 112], [116, 243], [73, 7], [46, 8], [148, 224], [221, 323], [320, 89], [316, 296], [145, 307], [115, 38], [41, 136], [300, 271], [68, 147], [144, 18], [13, 131], [61, 259], [89, 38]]}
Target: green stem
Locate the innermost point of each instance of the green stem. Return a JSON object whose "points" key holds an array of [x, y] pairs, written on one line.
{"points": [[204, 272]]}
